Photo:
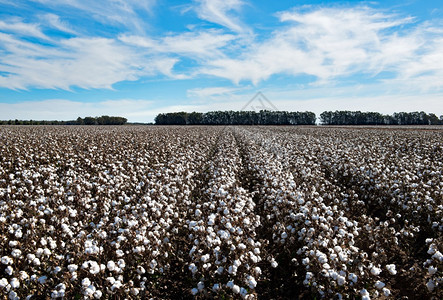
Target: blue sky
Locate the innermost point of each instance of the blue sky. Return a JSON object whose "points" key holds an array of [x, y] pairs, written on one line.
{"points": [[68, 58]]}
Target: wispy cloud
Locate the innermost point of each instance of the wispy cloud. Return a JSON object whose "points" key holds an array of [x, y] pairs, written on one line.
{"points": [[130, 13], [82, 62], [198, 45], [16, 26], [221, 12], [330, 43], [210, 92], [54, 21]]}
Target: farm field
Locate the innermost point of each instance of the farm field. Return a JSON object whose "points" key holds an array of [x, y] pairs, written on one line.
{"points": [[221, 212]]}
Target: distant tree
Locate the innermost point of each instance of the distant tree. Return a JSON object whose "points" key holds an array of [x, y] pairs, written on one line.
{"points": [[79, 121], [89, 121], [194, 118], [433, 119]]}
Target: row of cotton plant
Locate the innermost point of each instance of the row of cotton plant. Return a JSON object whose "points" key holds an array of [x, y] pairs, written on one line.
{"points": [[93, 212], [225, 253], [378, 233], [220, 212]]}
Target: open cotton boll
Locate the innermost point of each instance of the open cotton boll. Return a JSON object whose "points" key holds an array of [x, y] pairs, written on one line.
{"points": [[432, 270], [391, 269], [379, 285], [15, 283], [430, 285], [375, 271], [386, 292]]}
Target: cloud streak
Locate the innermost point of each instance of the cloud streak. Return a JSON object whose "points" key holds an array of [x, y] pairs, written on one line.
{"points": [[329, 44], [335, 43], [220, 12]]}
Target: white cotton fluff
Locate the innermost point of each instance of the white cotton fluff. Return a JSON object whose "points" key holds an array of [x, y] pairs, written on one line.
{"points": [[430, 285], [364, 294], [379, 285], [16, 253], [86, 282], [341, 280], [386, 292], [15, 283], [6, 260], [236, 289], [352, 277], [252, 283], [274, 264], [194, 291], [3, 283], [391, 269], [432, 270], [375, 271], [98, 294], [205, 258], [110, 265], [9, 270], [94, 267], [438, 256], [42, 280]]}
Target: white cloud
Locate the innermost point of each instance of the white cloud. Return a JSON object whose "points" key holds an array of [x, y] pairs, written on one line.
{"points": [[330, 44], [60, 109], [18, 27], [127, 13], [55, 22], [210, 92], [81, 62], [335, 43], [198, 45], [219, 12]]}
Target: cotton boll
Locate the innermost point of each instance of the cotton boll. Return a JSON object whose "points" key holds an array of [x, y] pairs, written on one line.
{"points": [[379, 285], [194, 291], [13, 296], [391, 269], [6, 260], [16, 253], [97, 294], [364, 293], [236, 289], [341, 280], [86, 282], [15, 283], [430, 285], [432, 270], [3, 283], [9, 270], [111, 265], [375, 271], [386, 292], [42, 279], [257, 270], [274, 264]]}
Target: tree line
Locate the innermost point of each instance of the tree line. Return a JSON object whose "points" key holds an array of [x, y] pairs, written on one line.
{"points": [[375, 118], [263, 117], [103, 120]]}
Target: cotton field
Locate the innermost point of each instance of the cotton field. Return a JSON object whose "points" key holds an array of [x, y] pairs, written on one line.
{"points": [[221, 212]]}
